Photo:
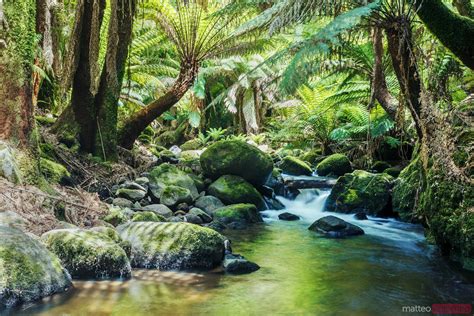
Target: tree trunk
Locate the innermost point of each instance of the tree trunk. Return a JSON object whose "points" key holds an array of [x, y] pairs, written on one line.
{"points": [[379, 85], [17, 51], [119, 36], [141, 119], [454, 31], [404, 63], [84, 85]]}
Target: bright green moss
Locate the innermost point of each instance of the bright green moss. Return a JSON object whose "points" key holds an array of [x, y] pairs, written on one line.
{"points": [[53, 171], [234, 190], [294, 166], [147, 217], [116, 216], [238, 213], [337, 165]]}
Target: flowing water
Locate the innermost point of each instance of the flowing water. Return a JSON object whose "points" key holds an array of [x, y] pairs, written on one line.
{"points": [[389, 267]]}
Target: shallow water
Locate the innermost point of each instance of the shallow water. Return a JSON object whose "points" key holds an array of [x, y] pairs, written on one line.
{"points": [[391, 266]]}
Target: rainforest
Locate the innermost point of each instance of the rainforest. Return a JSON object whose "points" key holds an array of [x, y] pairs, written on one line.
{"points": [[236, 157]]}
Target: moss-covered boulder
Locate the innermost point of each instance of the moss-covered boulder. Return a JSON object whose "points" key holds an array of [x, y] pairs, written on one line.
{"points": [[147, 217], [407, 191], [238, 213], [234, 190], [335, 165], [296, 167], [165, 179], [312, 156], [12, 219], [192, 144], [117, 216], [361, 191], [88, 254], [167, 246], [53, 171], [28, 271], [380, 166], [238, 158]]}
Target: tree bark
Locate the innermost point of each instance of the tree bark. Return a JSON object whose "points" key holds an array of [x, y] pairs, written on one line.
{"points": [[404, 63], [119, 37], [84, 85], [141, 119], [454, 31], [379, 85]]}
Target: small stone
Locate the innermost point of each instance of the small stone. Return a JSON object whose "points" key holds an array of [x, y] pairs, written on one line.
{"points": [[360, 216], [159, 209], [237, 264], [179, 213], [332, 226], [193, 219], [203, 215], [288, 217], [183, 207], [131, 194], [121, 202]]}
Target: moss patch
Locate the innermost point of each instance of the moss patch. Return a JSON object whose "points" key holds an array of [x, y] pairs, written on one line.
{"points": [[234, 190], [336, 165], [294, 166]]}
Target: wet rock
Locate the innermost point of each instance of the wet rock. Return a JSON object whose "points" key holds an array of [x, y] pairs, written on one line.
{"points": [[177, 246], [88, 254], [361, 191], [28, 271], [193, 219], [360, 216], [233, 190], [121, 202], [217, 226], [238, 213], [332, 226], [233, 157], [273, 204], [294, 166], [202, 215], [208, 204], [336, 165], [159, 209], [237, 264], [288, 217], [131, 194]]}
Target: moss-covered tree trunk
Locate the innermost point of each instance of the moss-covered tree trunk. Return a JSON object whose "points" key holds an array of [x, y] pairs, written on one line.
{"points": [[17, 51], [106, 101], [454, 31], [137, 123]]}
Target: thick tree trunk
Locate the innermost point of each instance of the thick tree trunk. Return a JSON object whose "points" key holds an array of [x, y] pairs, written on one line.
{"points": [[84, 85], [404, 63], [454, 31], [119, 36], [379, 85], [16, 104], [141, 119]]}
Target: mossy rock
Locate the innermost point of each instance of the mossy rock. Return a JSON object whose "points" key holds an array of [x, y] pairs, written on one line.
{"points": [[312, 156], [169, 138], [407, 191], [173, 246], [296, 167], [240, 213], [234, 190], [131, 194], [28, 271], [208, 204], [198, 182], [192, 144], [167, 175], [116, 216], [53, 171], [361, 191], [9, 165], [147, 217], [173, 195], [88, 254], [234, 157], [336, 165], [13, 220], [380, 166]]}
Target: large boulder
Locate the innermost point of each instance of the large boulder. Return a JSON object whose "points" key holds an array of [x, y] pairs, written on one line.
{"points": [[233, 190], [238, 213], [28, 271], [169, 246], [12, 219], [361, 191], [88, 254], [236, 158], [208, 204], [335, 165], [164, 180], [332, 226], [296, 167]]}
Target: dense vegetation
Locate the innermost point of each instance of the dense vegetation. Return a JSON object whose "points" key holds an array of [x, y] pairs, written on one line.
{"points": [[377, 94]]}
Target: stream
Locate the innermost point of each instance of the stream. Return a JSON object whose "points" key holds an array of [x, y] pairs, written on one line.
{"points": [[389, 267]]}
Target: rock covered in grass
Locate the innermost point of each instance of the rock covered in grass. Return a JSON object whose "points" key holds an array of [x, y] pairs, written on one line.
{"points": [[168, 246], [296, 167], [208, 204], [361, 191], [238, 213], [237, 264], [88, 254], [336, 165], [332, 226], [28, 271], [234, 190], [238, 158], [170, 185]]}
